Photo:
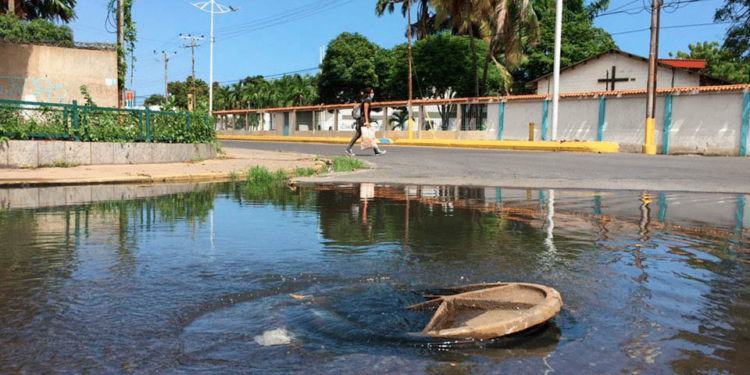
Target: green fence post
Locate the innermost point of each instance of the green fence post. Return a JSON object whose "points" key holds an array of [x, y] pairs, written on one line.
{"points": [[65, 121], [602, 115], [148, 124], [745, 124], [667, 124], [545, 115], [75, 120], [140, 125], [501, 121]]}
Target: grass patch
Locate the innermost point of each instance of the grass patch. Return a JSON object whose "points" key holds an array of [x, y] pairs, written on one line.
{"points": [[60, 164], [346, 164], [233, 176], [261, 175], [304, 172]]}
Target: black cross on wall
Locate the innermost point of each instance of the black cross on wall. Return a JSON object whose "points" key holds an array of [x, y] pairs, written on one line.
{"points": [[614, 79]]}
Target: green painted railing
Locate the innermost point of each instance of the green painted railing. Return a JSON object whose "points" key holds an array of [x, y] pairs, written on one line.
{"points": [[34, 120]]}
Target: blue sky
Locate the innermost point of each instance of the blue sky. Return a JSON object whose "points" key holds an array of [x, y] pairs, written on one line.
{"points": [[274, 37]]}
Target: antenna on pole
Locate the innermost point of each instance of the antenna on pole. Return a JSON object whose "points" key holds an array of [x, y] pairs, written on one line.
{"points": [[213, 8]]}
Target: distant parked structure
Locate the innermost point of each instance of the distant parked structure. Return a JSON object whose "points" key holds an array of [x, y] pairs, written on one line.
{"points": [[616, 70]]}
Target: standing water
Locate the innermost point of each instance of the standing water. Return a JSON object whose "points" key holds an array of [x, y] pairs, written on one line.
{"points": [[234, 278]]}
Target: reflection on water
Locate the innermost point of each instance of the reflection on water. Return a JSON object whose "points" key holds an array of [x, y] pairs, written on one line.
{"points": [[186, 283]]}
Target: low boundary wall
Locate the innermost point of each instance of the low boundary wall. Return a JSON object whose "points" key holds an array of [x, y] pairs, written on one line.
{"points": [[32, 154], [689, 120]]}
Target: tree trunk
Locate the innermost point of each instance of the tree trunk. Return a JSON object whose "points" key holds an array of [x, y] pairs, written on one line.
{"points": [[473, 48], [12, 7], [486, 67]]}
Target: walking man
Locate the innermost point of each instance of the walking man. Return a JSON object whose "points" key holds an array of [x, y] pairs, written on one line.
{"points": [[364, 119]]}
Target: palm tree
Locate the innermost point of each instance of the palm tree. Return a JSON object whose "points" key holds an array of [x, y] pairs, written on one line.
{"points": [[463, 18], [426, 21], [399, 118], [506, 25], [46, 9]]}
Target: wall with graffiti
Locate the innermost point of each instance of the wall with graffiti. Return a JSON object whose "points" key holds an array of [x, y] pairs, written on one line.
{"points": [[55, 75]]}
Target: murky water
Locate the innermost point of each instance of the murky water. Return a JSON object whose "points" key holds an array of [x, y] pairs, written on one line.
{"points": [[234, 279]]}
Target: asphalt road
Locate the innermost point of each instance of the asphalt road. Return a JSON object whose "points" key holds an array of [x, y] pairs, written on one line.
{"points": [[529, 169]]}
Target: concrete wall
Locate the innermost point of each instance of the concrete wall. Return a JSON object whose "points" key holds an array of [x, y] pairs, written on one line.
{"points": [[585, 77], [702, 123], [31, 154], [54, 74]]}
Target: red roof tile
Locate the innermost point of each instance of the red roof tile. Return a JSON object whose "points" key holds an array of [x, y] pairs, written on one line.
{"points": [[685, 63]]}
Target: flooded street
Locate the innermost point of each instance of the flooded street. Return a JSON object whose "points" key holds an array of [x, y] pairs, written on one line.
{"points": [[235, 278]]}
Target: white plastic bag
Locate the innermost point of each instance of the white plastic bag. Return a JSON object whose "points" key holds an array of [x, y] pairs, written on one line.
{"points": [[368, 138]]}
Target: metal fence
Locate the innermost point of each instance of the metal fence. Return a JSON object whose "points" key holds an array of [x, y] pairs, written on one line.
{"points": [[26, 120]]}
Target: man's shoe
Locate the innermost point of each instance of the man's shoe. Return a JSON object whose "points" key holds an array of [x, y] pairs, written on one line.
{"points": [[382, 152], [349, 152]]}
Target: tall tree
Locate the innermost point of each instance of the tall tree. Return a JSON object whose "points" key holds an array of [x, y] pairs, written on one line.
{"points": [[426, 23], [351, 64], [52, 10], [737, 38], [506, 26], [720, 62], [462, 19], [580, 39]]}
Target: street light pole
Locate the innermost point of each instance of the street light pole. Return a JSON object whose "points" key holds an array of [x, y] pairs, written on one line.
{"points": [[556, 77], [213, 8], [408, 36]]}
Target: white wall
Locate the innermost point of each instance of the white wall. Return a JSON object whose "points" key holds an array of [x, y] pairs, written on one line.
{"points": [[584, 77]]}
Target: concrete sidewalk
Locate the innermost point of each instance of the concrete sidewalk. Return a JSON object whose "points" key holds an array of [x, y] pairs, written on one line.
{"points": [[234, 161]]}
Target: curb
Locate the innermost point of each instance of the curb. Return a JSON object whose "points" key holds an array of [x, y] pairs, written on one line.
{"points": [[559, 146], [173, 178]]}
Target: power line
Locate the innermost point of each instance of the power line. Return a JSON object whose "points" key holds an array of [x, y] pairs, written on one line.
{"points": [[306, 11], [272, 75], [646, 8], [672, 27]]}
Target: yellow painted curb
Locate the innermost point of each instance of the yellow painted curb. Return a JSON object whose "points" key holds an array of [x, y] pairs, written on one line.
{"points": [[561, 146]]}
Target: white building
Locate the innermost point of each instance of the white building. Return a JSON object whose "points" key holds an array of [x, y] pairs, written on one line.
{"points": [[617, 70]]}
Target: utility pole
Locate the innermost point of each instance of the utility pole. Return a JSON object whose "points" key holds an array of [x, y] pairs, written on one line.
{"points": [[213, 8], [648, 143], [120, 53], [408, 36], [192, 52], [166, 77]]}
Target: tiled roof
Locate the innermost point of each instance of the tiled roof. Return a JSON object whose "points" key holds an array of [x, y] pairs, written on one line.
{"points": [[685, 63], [495, 99]]}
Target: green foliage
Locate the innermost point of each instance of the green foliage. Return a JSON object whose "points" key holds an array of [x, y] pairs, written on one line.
{"points": [[304, 172], [155, 99], [130, 37], [260, 176], [346, 164], [178, 92], [37, 31], [720, 63], [737, 38], [351, 64], [22, 120], [60, 164], [580, 40], [43, 9], [442, 69]]}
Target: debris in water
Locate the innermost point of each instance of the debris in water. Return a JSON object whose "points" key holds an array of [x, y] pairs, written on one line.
{"points": [[300, 296], [278, 336]]}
